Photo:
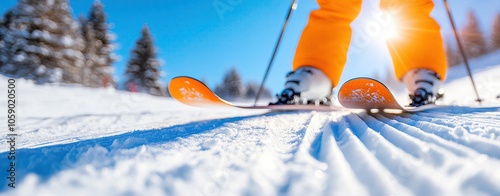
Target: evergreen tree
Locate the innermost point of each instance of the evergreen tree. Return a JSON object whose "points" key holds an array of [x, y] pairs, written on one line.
{"points": [[3, 32], [5, 35], [473, 39], [42, 42], [90, 76], [101, 42], [495, 34], [252, 88], [452, 56], [232, 87], [143, 69]]}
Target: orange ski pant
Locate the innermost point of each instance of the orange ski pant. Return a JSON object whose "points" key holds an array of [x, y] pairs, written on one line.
{"points": [[325, 40]]}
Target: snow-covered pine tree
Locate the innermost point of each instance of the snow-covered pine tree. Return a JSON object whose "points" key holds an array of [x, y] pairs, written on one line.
{"points": [[104, 57], [3, 31], [252, 88], [42, 42], [143, 69], [6, 40], [90, 77], [232, 87], [495, 34], [452, 56], [473, 38]]}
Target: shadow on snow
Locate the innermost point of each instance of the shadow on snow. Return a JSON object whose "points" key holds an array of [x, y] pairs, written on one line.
{"points": [[49, 160]]}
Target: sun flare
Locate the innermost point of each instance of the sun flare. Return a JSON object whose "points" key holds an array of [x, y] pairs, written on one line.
{"points": [[391, 31]]}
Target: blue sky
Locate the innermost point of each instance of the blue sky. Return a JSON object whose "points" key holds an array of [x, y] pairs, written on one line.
{"points": [[199, 39]]}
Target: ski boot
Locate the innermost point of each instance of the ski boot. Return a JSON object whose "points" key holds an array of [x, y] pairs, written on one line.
{"points": [[306, 85], [424, 86]]}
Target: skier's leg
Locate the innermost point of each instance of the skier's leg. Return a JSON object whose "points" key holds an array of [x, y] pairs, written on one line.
{"points": [[325, 40], [417, 51], [419, 44]]}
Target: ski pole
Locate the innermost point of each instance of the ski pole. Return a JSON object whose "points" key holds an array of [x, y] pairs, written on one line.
{"points": [[293, 6], [461, 49]]}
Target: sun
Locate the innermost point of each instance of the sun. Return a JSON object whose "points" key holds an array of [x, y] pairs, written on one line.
{"points": [[391, 31]]}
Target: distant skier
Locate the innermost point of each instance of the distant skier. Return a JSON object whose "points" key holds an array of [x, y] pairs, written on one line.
{"points": [[418, 54]]}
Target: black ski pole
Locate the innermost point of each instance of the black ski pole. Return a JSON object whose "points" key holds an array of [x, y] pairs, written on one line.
{"points": [[293, 6], [461, 49]]}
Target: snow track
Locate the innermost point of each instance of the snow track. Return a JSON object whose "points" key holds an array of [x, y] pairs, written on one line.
{"points": [[293, 153]]}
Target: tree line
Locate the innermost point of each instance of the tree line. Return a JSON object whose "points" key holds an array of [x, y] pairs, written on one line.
{"points": [[233, 88], [41, 41], [474, 41]]}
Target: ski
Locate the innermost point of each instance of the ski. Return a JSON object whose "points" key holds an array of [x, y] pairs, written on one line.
{"points": [[358, 93], [370, 94], [193, 92]]}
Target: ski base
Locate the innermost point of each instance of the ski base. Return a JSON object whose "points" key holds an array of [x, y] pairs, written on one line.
{"points": [[370, 94]]}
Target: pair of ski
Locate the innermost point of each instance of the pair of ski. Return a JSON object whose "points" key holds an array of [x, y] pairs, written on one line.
{"points": [[357, 93]]}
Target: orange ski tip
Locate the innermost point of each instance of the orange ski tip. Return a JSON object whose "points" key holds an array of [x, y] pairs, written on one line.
{"points": [[366, 93], [192, 92]]}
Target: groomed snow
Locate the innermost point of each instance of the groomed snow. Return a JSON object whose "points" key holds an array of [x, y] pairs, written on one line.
{"points": [[79, 141]]}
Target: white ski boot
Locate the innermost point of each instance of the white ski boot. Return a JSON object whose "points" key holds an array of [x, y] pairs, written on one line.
{"points": [[424, 86], [306, 85]]}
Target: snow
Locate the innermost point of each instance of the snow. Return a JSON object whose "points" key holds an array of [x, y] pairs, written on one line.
{"points": [[80, 141]]}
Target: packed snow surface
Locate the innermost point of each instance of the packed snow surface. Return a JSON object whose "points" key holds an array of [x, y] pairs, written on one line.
{"points": [[78, 141]]}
